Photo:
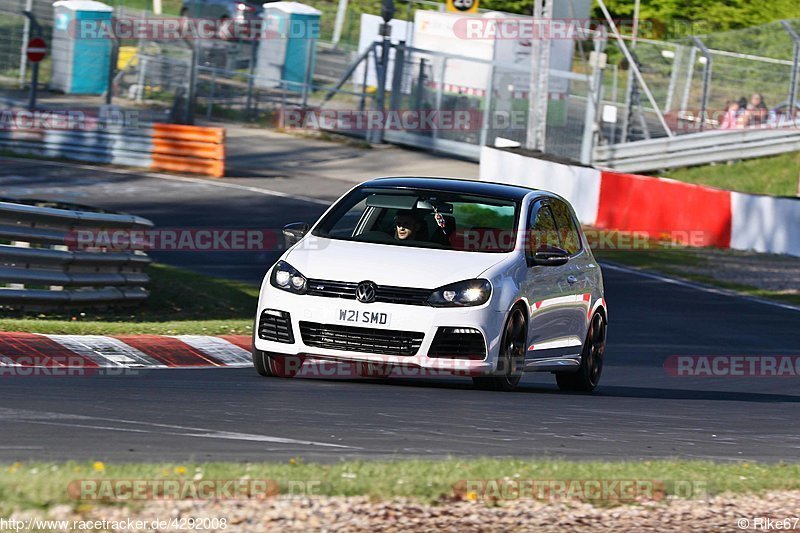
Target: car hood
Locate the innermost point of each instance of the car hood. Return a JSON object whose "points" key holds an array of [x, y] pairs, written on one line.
{"points": [[385, 264]]}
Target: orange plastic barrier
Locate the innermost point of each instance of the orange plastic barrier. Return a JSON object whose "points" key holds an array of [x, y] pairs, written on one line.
{"points": [[193, 149]]}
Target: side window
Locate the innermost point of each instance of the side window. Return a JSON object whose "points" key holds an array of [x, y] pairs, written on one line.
{"points": [[542, 230], [567, 230]]}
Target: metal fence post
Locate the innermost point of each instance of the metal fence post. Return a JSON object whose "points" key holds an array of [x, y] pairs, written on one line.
{"points": [[539, 81], [251, 76], [487, 108], [689, 76], [112, 68], [397, 75], [614, 95], [23, 53], [191, 94], [210, 101], [308, 76], [37, 30], [706, 80], [386, 33], [420, 84], [795, 66], [362, 98], [673, 81], [439, 90], [593, 101]]}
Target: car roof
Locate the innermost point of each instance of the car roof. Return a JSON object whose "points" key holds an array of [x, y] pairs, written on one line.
{"points": [[456, 185]]}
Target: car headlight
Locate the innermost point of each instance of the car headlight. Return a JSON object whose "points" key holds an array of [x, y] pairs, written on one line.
{"points": [[285, 276], [462, 294]]}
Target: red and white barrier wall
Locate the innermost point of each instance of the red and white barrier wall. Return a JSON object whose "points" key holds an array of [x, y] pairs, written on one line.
{"points": [[693, 214]]}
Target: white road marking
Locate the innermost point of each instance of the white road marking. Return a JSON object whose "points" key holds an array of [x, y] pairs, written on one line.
{"points": [[698, 286], [219, 349], [59, 419]]}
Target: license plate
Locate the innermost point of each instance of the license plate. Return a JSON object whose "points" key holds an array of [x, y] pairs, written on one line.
{"points": [[359, 316]]}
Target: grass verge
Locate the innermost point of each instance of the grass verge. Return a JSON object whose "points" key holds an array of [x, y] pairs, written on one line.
{"points": [[685, 263], [180, 303], [776, 175], [40, 485]]}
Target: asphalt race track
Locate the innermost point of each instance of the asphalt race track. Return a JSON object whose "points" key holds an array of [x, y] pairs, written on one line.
{"points": [[640, 411]]}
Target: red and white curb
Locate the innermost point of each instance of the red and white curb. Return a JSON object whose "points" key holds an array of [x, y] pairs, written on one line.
{"points": [[124, 351]]}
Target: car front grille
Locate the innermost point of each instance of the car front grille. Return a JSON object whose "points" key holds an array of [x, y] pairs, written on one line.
{"points": [[458, 343], [368, 340], [275, 326], [383, 293]]}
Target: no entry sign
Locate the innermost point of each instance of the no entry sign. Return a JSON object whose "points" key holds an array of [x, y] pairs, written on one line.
{"points": [[37, 49]]}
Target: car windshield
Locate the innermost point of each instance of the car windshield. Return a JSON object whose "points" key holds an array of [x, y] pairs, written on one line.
{"points": [[423, 219]]}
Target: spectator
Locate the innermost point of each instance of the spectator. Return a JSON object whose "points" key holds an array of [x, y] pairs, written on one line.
{"points": [[731, 119], [756, 112]]}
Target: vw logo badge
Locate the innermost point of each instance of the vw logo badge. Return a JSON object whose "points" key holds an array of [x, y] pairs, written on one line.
{"points": [[365, 292]]}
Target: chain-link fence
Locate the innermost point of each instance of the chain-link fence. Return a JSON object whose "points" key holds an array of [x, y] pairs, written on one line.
{"points": [[684, 86], [15, 32], [704, 82]]}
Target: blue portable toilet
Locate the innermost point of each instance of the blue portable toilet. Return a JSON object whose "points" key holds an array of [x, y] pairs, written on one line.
{"points": [[81, 46], [288, 48]]}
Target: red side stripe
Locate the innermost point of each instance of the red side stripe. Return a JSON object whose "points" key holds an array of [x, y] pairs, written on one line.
{"points": [[168, 350], [31, 349]]}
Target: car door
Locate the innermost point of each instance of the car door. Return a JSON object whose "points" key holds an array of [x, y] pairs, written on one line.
{"points": [[546, 288], [578, 282]]}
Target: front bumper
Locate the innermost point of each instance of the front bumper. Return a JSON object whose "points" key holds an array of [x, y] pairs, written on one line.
{"points": [[411, 318]]}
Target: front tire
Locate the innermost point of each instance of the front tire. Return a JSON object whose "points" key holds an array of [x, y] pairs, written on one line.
{"points": [[511, 363], [587, 377]]}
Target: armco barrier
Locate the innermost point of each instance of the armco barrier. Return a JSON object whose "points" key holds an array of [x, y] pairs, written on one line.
{"points": [[38, 269], [704, 215], [193, 149]]}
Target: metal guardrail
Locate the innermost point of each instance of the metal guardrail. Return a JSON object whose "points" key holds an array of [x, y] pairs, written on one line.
{"points": [[696, 149], [38, 268], [124, 146]]}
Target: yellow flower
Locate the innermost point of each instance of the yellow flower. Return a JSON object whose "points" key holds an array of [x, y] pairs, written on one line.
{"points": [[180, 470], [98, 466], [472, 496], [292, 461]]}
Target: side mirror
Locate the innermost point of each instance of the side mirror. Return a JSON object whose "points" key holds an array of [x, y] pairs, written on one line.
{"points": [[549, 256], [293, 232]]}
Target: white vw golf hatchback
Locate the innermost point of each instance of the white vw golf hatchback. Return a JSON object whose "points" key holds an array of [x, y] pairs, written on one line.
{"points": [[468, 277]]}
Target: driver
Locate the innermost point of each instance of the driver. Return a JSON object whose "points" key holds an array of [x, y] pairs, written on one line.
{"points": [[407, 226]]}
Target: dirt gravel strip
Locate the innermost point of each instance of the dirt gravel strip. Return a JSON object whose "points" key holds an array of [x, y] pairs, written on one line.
{"points": [[358, 514]]}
